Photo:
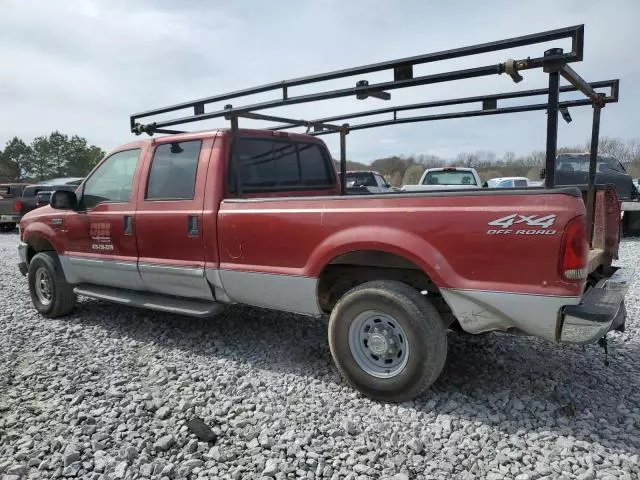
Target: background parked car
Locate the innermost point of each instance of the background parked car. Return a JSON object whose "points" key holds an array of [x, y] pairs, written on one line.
{"points": [[446, 178], [367, 181], [509, 182], [9, 192], [29, 199]]}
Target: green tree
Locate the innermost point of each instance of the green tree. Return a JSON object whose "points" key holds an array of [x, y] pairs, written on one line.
{"points": [[57, 155], [15, 161], [51, 155], [82, 157], [41, 167]]}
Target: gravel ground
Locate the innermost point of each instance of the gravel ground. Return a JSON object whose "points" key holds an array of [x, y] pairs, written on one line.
{"points": [[107, 393]]}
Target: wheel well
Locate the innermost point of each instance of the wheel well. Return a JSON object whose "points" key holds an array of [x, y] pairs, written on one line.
{"points": [[38, 244], [354, 268]]}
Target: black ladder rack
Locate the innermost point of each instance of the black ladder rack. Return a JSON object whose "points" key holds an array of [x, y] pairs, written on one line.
{"points": [[554, 61]]}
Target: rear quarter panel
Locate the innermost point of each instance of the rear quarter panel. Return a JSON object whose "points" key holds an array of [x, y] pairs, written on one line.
{"points": [[447, 235]]}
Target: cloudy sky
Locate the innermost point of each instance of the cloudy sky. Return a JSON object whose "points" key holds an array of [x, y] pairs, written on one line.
{"points": [[82, 66]]}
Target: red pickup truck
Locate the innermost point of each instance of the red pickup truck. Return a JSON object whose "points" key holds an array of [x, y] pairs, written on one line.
{"points": [[188, 222], [154, 225]]}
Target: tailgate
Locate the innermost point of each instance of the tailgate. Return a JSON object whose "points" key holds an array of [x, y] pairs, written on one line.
{"points": [[606, 227]]}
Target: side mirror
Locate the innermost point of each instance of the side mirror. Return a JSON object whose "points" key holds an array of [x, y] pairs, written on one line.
{"points": [[388, 185], [63, 200], [543, 173]]}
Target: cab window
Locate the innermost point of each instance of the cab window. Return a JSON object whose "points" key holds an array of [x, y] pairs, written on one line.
{"points": [[112, 181], [268, 165], [173, 171]]}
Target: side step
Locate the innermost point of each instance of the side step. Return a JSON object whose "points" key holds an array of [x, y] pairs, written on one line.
{"points": [[151, 301]]}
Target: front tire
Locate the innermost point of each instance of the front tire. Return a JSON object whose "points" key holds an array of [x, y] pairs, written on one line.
{"points": [[50, 293], [387, 340]]}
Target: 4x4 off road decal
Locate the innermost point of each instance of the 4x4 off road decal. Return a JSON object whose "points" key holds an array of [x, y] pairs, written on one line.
{"points": [[523, 224]]}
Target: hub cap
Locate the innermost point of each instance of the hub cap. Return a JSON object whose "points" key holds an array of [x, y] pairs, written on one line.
{"points": [[378, 344], [43, 286]]}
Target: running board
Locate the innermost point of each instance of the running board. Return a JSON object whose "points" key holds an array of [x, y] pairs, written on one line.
{"points": [[151, 301]]}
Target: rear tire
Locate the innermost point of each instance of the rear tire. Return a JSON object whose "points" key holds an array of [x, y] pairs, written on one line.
{"points": [[50, 293], [387, 340], [7, 227]]}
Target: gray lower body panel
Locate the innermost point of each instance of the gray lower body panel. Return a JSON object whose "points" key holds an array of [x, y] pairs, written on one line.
{"points": [[112, 273], [289, 293], [180, 281], [484, 311]]}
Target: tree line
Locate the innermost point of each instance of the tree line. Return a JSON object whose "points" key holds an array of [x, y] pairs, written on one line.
{"points": [[60, 155], [47, 156], [406, 170]]}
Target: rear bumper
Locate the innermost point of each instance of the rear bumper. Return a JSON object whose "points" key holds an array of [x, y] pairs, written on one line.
{"points": [[9, 218], [601, 309]]}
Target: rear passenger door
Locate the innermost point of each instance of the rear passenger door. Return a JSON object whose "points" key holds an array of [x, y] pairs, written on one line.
{"points": [[169, 219]]}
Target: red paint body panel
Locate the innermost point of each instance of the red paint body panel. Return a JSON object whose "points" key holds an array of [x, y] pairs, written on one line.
{"points": [[444, 234]]}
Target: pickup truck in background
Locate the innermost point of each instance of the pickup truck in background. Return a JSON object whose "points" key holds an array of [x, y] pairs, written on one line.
{"points": [[446, 178], [9, 217], [37, 195], [160, 224], [573, 169], [366, 181]]}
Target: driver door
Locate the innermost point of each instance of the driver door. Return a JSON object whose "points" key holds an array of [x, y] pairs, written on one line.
{"points": [[101, 244]]}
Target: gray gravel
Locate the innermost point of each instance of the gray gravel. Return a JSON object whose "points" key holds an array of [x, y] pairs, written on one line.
{"points": [[107, 392]]}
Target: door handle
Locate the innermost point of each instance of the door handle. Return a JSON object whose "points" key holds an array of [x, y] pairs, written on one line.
{"points": [[128, 225], [193, 228]]}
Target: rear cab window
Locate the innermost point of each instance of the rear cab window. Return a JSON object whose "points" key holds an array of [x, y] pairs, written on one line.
{"points": [[281, 165], [449, 177], [173, 171]]}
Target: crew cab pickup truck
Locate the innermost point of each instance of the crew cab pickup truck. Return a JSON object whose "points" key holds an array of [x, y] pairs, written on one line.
{"points": [[446, 178], [161, 224], [9, 217]]}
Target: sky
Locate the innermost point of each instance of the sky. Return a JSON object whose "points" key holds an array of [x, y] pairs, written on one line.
{"points": [[83, 66]]}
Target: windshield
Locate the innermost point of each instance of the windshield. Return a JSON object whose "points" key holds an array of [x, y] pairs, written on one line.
{"points": [[444, 177], [580, 163], [360, 179]]}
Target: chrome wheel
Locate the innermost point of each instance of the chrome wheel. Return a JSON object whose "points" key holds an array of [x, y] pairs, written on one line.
{"points": [[378, 344], [42, 286]]}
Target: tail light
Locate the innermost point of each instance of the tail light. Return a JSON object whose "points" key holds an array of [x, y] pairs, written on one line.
{"points": [[17, 206], [574, 250]]}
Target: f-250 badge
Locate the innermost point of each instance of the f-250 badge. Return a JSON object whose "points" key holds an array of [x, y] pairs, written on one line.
{"points": [[543, 222]]}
